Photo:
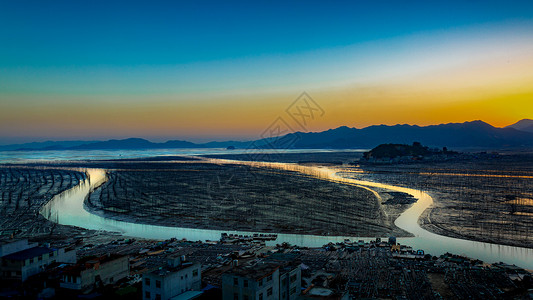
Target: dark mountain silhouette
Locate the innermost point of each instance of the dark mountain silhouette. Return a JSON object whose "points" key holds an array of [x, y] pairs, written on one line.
{"points": [[468, 134], [135, 143], [523, 125], [131, 143], [48, 145]]}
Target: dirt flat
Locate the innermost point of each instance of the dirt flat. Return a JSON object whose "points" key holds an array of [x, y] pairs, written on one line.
{"points": [[483, 200], [238, 197], [23, 191]]}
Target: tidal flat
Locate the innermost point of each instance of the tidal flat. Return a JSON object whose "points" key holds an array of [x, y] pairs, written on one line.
{"points": [[489, 200], [238, 197], [24, 190], [482, 200]]}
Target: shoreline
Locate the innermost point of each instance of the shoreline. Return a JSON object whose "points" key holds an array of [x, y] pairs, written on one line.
{"points": [[426, 240], [206, 222], [425, 220]]}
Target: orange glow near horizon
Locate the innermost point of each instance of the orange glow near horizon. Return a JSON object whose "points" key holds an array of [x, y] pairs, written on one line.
{"points": [[241, 119], [455, 83]]}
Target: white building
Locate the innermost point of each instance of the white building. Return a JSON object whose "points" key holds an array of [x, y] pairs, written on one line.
{"points": [[15, 246], [290, 282], [259, 282], [176, 278], [21, 260]]}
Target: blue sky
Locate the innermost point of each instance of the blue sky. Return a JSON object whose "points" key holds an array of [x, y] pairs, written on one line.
{"points": [[129, 33], [176, 53]]}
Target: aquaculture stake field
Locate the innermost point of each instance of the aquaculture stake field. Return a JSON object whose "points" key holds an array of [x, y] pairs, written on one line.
{"points": [[22, 193], [237, 197]]}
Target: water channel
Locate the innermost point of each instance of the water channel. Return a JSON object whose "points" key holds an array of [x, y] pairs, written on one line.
{"points": [[67, 208]]}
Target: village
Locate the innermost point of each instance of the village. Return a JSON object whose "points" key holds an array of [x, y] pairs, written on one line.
{"points": [[247, 267]]}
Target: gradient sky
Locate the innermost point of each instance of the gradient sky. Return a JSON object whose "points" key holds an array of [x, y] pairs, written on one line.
{"points": [[202, 70]]}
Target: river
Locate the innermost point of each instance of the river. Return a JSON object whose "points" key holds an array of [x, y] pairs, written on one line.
{"points": [[67, 208]]}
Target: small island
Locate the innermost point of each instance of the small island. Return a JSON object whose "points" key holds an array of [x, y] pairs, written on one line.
{"points": [[402, 153]]}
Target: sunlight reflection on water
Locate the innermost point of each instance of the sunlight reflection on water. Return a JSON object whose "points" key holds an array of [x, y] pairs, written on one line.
{"points": [[68, 209]]}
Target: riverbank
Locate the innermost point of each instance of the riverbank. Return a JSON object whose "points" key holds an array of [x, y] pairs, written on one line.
{"points": [[424, 239], [487, 201], [230, 196], [24, 190]]}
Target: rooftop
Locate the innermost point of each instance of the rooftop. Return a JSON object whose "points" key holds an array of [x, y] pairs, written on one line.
{"points": [[89, 263], [7, 241], [254, 272], [100, 259], [28, 253], [187, 295], [166, 270], [286, 261]]}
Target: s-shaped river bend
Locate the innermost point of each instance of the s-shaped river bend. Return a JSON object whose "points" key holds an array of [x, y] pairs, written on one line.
{"points": [[68, 208]]}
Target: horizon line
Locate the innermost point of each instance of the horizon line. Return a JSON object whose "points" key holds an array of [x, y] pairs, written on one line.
{"points": [[202, 141]]}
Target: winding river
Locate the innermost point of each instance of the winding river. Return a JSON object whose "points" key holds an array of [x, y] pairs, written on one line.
{"points": [[67, 208]]}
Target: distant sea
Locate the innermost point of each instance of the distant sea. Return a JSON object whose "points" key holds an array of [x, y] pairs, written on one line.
{"points": [[69, 155]]}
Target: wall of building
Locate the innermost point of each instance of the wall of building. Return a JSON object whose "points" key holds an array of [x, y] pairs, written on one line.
{"points": [[236, 285], [21, 270], [109, 272], [290, 283], [112, 271], [173, 283], [16, 246], [71, 282]]}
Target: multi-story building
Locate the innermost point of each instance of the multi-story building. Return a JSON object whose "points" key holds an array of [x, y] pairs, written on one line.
{"points": [[21, 260], [290, 274], [290, 281], [263, 281], [11, 246], [178, 277], [89, 274]]}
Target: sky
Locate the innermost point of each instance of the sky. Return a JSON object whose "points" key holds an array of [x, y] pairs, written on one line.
{"points": [[205, 70]]}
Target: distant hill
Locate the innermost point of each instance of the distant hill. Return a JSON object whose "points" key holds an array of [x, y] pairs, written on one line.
{"points": [[397, 150], [402, 153], [138, 143], [48, 145], [523, 125], [467, 134]]}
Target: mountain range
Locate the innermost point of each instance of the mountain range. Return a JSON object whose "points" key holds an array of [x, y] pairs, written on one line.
{"points": [[474, 134], [523, 125]]}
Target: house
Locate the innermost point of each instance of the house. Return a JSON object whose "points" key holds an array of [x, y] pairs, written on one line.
{"points": [[290, 274], [10, 247], [177, 278], [290, 278], [91, 273], [21, 260], [271, 279], [258, 282]]}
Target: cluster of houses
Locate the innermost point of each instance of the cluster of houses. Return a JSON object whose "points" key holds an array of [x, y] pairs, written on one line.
{"points": [[55, 272], [42, 271], [22, 262]]}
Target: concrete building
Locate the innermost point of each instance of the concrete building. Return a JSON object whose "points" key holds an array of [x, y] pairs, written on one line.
{"points": [[96, 272], [290, 274], [290, 278], [271, 279], [177, 278], [258, 282], [10, 247], [21, 260]]}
